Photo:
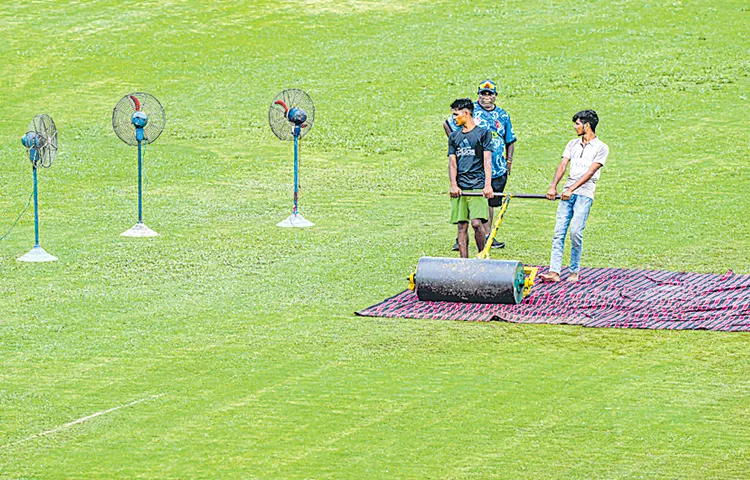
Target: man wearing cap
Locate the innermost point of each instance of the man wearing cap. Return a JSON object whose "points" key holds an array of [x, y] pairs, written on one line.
{"points": [[490, 116]]}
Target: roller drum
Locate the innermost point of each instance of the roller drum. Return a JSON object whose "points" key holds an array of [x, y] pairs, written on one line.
{"points": [[469, 280]]}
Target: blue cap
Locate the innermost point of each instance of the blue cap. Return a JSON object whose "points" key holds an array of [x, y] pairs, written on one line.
{"points": [[487, 85]]}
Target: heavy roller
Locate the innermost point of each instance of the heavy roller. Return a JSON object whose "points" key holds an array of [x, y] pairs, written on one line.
{"points": [[478, 280]]}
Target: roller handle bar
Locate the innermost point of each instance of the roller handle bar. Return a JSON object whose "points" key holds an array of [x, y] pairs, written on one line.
{"points": [[514, 195]]}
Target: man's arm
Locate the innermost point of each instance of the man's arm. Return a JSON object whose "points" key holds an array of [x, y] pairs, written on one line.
{"points": [[447, 128], [452, 172], [509, 149], [552, 192], [487, 191], [510, 142], [585, 178]]}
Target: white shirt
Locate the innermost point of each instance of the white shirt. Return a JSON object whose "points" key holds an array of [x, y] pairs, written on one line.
{"points": [[581, 157]]}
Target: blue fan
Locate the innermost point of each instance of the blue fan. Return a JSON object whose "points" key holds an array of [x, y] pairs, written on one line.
{"points": [[41, 142], [291, 116], [139, 119]]}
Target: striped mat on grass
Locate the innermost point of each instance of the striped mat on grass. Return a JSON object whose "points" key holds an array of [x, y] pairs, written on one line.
{"points": [[605, 297]]}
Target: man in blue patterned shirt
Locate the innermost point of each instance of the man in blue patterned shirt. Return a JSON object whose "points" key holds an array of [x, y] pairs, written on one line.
{"points": [[490, 116]]}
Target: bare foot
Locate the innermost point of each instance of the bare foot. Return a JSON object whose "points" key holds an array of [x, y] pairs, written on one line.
{"points": [[573, 277], [550, 277]]}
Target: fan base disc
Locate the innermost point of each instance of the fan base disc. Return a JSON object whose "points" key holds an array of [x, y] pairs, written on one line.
{"points": [[139, 230], [295, 221], [37, 254]]}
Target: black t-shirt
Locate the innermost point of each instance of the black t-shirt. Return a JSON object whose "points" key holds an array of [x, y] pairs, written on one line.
{"points": [[469, 150]]}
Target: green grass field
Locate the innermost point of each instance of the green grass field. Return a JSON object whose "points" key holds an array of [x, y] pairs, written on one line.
{"points": [[228, 348]]}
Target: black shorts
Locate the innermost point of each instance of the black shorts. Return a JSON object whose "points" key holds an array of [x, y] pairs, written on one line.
{"points": [[498, 185]]}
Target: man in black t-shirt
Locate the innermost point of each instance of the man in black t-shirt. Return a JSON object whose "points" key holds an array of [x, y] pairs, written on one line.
{"points": [[470, 169]]}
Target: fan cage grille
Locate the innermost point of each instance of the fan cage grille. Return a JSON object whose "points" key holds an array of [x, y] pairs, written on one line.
{"points": [[281, 104], [123, 112], [45, 129]]}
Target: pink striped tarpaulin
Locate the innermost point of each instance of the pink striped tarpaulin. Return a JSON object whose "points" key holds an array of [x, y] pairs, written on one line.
{"points": [[605, 297]]}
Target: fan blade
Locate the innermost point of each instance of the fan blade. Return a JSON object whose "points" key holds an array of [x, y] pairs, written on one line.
{"points": [[281, 102], [136, 102]]}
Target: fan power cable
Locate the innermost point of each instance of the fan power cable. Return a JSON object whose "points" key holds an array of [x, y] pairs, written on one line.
{"points": [[28, 204]]}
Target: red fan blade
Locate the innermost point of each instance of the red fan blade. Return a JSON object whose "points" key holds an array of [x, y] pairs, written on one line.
{"points": [[281, 102]]}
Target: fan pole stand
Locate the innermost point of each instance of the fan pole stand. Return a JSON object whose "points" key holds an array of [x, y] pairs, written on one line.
{"points": [[36, 254], [295, 219], [139, 229]]}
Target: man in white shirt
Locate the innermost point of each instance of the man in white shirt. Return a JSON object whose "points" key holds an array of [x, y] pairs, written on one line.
{"points": [[586, 155]]}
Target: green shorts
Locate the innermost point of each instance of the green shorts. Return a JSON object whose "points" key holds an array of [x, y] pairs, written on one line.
{"points": [[464, 209]]}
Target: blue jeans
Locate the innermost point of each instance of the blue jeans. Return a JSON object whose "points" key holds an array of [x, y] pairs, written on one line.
{"points": [[570, 214]]}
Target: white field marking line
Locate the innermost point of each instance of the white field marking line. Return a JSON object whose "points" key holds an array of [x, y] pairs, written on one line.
{"points": [[80, 420]]}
